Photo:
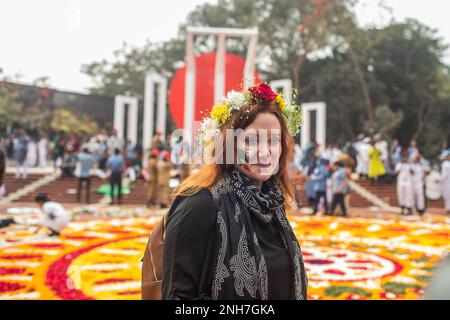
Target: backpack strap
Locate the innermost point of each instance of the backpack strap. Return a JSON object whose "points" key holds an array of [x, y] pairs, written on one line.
{"points": [[164, 227], [164, 224], [208, 271], [151, 259]]}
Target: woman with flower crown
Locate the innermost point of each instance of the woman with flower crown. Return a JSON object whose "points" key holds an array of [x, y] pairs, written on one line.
{"points": [[227, 236]]}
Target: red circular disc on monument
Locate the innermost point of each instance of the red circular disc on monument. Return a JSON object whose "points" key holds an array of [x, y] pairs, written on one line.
{"points": [[204, 85]]}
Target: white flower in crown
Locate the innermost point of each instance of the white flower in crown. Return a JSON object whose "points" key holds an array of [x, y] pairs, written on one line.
{"points": [[209, 130], [234, 100]]}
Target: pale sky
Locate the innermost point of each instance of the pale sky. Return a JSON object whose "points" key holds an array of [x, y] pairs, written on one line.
{"points": [[55, 37]]}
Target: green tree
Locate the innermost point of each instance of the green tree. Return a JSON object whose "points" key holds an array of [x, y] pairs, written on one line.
{"points": [[406, 79], [126, 74], [64, 120], [386, 121], [11, 108], [408, 58], [390, 80], [290, 30]]}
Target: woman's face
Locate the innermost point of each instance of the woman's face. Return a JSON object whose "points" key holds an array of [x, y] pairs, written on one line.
{"points": [[262, 147]]}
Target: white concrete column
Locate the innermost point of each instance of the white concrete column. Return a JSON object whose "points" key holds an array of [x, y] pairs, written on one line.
{"points": [[219, 75], [321, 128], [249, 69], [162, 106], [189, 91], [151, 80], [306, 128], [119, 115], [132, 120], [320, 124], [149, 102], [286, 86]]}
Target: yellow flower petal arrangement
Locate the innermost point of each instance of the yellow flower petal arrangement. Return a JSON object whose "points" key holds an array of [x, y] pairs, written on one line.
{"points": [[345, 258]]}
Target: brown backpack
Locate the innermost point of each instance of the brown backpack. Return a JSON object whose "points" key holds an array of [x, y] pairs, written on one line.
{"points": [[152, 263]]}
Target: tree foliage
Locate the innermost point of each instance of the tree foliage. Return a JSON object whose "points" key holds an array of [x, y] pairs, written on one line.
{"points": [[390, 80], [10, 107], [64, 120]]}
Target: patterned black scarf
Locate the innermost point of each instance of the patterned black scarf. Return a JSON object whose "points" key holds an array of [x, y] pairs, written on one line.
{"points": [[241, 270]]}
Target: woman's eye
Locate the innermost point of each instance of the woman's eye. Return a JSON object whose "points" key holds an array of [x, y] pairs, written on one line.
{"points": [[275, 141], [251, 141]]}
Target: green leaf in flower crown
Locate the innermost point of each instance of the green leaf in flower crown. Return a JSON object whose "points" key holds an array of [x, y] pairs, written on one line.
{"points": [[293, 118]]}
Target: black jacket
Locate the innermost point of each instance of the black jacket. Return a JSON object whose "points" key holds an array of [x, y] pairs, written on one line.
{"points": [[189, 247], [190, 251]]}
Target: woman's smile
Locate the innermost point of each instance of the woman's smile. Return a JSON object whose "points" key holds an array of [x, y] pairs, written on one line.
{"points": [[263, 165]]}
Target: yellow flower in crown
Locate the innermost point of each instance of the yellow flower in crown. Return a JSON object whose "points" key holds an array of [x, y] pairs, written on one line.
{"points": [[280, 101], [220, 113]]}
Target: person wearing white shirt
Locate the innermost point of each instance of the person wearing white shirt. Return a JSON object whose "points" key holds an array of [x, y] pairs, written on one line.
{"points": [[405, 196], [336, 154], [32, 153], [327, 153], [93, 146], [418, 184], [43, 152], [298, 154], [426, 171], [384, 147], [20, 147], [114, 142], [55, 217], [412, 150], [446, 180], [363, 157]]}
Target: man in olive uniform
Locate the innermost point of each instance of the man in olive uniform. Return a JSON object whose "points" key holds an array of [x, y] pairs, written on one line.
{"points": [[163, 177], [152, 177], [185, 171], [185, 167]]}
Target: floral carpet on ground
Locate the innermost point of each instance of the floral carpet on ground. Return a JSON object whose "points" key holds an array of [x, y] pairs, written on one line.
{"points": [[346, 258]]}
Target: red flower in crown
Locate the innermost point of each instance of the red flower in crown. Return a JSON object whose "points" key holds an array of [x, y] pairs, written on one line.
{"points": [[263, 92]]}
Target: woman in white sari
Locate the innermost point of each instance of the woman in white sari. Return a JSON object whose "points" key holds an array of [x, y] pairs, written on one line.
{"points": [[43, 151], [32, 153]]}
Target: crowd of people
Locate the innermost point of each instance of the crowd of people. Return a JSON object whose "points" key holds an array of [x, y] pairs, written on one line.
{"points": [[375, 159], [327, 170], [103, 155]]}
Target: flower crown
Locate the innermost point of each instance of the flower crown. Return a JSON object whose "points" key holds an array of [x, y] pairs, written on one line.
{"points": [[234, 101]]}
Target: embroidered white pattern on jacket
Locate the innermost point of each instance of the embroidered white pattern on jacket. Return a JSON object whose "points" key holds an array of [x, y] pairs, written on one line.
{"points": [[238, 212], [244, 267], [221, 270], [263, 278], [298, 260]]}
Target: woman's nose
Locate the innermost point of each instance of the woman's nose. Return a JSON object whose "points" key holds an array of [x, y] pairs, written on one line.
{"points": [[263, 151]]}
